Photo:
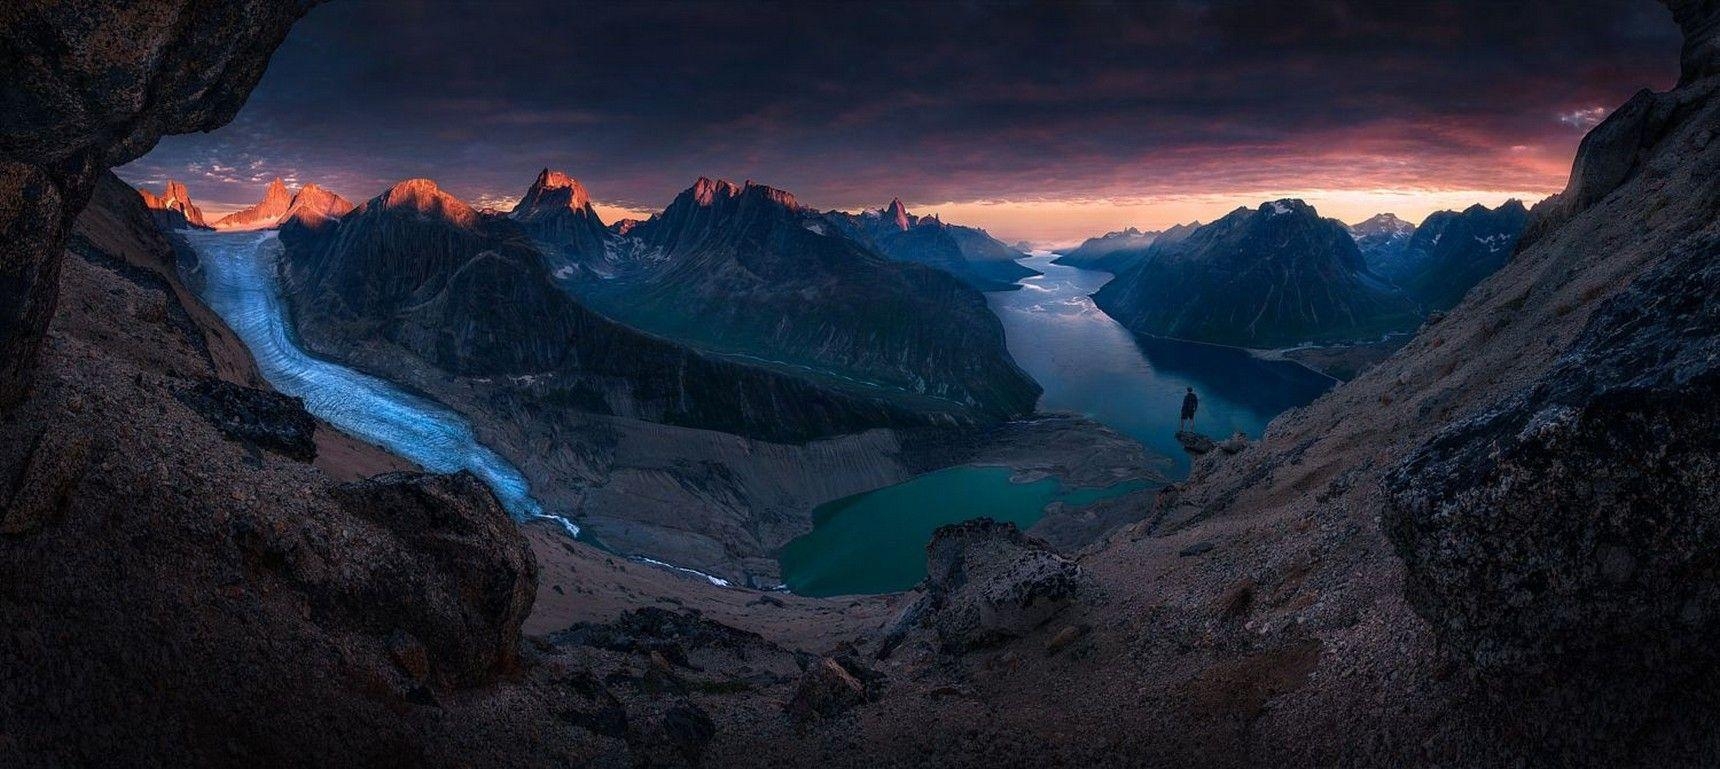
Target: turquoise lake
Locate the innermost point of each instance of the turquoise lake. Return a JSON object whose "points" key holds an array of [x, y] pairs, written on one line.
{"points": [[875, 542]]}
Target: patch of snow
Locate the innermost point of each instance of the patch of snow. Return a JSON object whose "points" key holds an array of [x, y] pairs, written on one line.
{"points": [[718, 581]]}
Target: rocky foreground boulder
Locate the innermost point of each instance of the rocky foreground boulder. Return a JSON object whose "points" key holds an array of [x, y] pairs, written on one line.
{"points": [[1581, 516], [262, 418], [1572, 525], [986, 582]]}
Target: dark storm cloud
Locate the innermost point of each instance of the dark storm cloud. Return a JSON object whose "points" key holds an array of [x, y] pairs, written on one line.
{"points": [[848, 104]]}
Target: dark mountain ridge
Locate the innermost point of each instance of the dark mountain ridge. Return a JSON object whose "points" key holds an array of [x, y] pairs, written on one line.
{"points": [[968, 253], [746, 271], [1452, 251], [471, 295], [1115, 252], [1275, 276], [1382, 239]]}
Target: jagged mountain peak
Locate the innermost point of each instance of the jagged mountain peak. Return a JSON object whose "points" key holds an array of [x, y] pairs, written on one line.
{"points": [[312, 205], [173, 197], [176, 199], [1381, 223], [1275, 275], [1287, 206], [898, 213], [265, 213], [550, 192], [1512, 206], [424, 197], [707, 191], [771, 194], [549, 178]]}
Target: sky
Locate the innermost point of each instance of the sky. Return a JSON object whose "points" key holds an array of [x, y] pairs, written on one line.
{"points": [[1045, 122]]}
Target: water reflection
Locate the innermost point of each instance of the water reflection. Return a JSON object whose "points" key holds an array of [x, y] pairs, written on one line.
{"points": [[1089, 364]]}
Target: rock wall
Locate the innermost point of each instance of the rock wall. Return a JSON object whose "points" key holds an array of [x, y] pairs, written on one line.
{"points": [[88, 87], [1576, 516]]}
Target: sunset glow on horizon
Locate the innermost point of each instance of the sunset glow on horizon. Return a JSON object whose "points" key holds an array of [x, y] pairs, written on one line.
{"points": [[1174, 112]]}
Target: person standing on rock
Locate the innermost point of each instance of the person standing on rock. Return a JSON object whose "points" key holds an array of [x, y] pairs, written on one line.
{"points": [[1190, 404]]}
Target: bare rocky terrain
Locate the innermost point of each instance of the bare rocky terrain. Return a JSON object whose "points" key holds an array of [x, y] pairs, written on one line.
{"points": [[1492, 548]]}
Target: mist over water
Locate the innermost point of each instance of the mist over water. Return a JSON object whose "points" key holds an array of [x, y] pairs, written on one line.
{"points": [[240, 283]]}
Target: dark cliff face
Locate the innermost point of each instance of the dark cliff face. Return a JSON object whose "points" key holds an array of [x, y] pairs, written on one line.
{"points": [[745, 270], [396, 250], [965, 252], [1269, 277], [267, 611], [1570, 527], [472, 296], [90, 87], [1452, 251]]}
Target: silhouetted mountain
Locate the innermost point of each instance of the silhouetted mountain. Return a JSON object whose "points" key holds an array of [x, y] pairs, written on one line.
{"points": [[1114, 252], [1092, 251], [1382, 239], [968, 253], [173, 209], [1274, 276], [1452, 251], [419, 269], [747, 271]]}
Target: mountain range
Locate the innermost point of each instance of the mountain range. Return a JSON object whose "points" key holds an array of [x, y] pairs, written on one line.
{"points": [[747, 272], [1115, 251], [174, 210], [968, 253], [1281, 276], [469, 293], [1451, 252], [1274, 276]]}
